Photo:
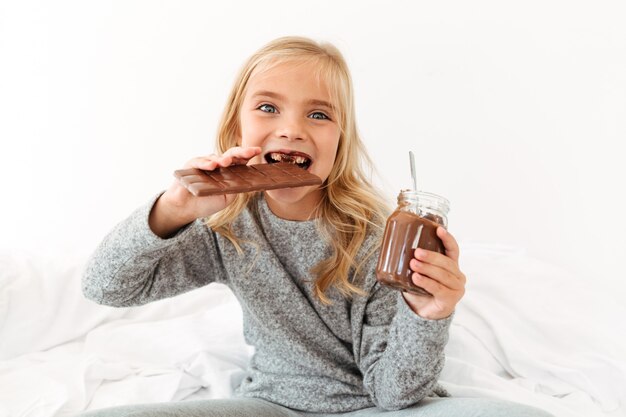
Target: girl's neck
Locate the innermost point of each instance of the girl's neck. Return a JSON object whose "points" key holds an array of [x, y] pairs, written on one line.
{"points": [[301, 210]]}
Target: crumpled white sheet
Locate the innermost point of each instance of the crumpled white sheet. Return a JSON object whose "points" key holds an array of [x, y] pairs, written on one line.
{"points": [[530, 332], [61, 354], [525, 331]]}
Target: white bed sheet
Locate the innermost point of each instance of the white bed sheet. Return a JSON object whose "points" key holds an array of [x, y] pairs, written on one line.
{"points": [[526, 331]]}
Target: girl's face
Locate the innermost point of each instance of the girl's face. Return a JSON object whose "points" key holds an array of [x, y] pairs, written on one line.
{"points": [[288, 113]]}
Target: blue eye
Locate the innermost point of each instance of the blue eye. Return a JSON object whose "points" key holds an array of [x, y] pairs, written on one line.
{"points": [[319, 116], [267, 108]]}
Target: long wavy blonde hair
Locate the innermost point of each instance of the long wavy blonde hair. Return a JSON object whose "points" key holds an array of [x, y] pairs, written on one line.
{"points": [[350, 204]]}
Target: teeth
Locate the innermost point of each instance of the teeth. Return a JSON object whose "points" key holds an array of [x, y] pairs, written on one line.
{"points": [[294, 159]]}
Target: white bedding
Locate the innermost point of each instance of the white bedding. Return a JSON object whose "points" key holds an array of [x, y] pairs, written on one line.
{"points": [[525, 331]]}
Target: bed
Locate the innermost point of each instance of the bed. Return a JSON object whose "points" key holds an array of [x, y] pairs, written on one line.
{"points": [[525, 331]]}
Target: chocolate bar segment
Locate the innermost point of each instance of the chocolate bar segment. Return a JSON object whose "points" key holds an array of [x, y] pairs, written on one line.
{"points": [[243, 178]]}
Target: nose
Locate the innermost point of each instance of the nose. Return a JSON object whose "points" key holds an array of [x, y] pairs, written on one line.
{"points": [[292, 129]]}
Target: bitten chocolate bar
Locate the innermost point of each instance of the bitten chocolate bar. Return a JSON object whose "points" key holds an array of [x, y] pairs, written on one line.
{"points": [[243, 178]]}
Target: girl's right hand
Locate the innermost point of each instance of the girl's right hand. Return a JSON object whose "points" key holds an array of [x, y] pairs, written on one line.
{"points": [[178, 207]]}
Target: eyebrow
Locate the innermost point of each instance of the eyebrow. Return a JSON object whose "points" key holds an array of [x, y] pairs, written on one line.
{"points": [[277, 96]]}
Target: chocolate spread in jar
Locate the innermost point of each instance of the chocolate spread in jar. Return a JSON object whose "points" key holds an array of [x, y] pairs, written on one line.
{"points": [[405, 232]]}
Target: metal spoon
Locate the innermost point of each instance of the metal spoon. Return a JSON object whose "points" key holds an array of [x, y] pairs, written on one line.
{"points": [[412, 158]]}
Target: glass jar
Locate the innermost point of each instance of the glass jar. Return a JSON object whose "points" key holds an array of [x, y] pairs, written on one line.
{"points": [[412, 225]]}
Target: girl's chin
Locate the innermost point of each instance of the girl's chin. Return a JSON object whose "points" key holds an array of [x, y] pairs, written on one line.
{"points": [[292, 195]]}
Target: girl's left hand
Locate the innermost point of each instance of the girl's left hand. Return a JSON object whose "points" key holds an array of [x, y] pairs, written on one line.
{"points": [[439, 275]]}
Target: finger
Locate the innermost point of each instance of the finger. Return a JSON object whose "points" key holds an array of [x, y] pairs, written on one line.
{"points": [[444, 277], [236, 155], [449, 242], [224, 161], [438, 259], [208, 163], [428, 284], [239, 153]]}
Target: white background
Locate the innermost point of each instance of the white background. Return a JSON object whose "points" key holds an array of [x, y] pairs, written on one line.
{"points": [[516, 111]]}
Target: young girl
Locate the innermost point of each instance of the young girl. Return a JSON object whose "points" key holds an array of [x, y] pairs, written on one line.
{"points": [[328, 338]]}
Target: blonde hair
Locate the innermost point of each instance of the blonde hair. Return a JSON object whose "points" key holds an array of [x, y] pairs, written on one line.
{"points": [[350, 204]]}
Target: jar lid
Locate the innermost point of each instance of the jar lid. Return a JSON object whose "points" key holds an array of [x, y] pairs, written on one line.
{"points": [[425, 200]]}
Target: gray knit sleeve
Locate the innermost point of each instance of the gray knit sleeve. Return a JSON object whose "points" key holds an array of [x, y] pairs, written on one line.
{"points": [[133, 266], [402, 354]]}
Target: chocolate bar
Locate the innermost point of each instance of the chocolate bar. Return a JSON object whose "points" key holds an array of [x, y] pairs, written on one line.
{"points": [[243, 178]]}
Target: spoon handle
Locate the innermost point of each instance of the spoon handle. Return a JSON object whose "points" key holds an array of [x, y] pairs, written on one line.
{"points": [[412, 158]]}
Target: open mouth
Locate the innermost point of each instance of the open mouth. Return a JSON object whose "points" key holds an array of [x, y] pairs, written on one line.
{"points": [[297, 158]]}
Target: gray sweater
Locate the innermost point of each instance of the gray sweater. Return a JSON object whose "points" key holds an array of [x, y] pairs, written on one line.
{"points": [[370, 350]]}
